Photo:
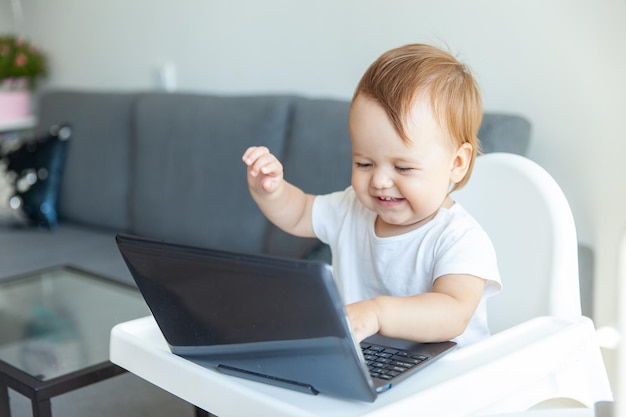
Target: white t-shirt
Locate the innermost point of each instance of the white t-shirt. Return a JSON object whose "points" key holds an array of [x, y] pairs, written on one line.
{"points": [[366, 266]]}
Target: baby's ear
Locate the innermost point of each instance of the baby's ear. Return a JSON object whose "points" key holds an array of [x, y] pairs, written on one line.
{"points": [[461, 162]]}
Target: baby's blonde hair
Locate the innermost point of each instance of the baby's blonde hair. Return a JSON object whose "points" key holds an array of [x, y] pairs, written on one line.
{"points": [[402, 75]]}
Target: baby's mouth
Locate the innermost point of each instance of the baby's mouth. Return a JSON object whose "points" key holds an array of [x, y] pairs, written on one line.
{"points": [[389, 198]]}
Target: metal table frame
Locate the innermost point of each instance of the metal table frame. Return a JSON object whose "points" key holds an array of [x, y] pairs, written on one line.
{"points": [[40, 392]]}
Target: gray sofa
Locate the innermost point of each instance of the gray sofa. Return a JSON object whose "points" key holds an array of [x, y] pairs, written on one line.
{"points": [[169, 166]]}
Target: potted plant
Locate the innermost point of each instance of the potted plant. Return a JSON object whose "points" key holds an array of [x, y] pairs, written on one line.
{"points": [[21, 66]]}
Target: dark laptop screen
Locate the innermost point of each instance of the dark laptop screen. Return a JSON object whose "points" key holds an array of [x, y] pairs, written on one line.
{"points": [[199, 293]]}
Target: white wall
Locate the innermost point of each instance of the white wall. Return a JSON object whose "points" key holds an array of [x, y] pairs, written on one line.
{"points": [[558, 62], [6, 23]]}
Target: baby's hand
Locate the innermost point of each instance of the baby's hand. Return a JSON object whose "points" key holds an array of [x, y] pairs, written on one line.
{"points": [[363, 316], [265, 172]]}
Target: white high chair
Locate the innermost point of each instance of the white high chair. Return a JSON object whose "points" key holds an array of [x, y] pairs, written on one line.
{"points": [[543, 349], [527, 216], [529, 220]]}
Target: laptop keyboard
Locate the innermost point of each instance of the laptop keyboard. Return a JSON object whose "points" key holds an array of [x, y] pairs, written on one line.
{"points": [[385, 363]]}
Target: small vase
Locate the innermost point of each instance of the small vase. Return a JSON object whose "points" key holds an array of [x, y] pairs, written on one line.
{"points": [[14, 105]]}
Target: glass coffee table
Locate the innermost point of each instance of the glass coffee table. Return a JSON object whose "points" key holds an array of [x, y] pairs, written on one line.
{"points": [[55, 328]]}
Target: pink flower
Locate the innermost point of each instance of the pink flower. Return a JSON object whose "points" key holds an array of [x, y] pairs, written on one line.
{"points": [[21, 59]]}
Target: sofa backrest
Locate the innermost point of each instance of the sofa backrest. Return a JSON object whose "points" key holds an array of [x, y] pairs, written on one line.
{"points": [[95, 183], [318, 159], [501, 132], [188, 183], [169, 166]]}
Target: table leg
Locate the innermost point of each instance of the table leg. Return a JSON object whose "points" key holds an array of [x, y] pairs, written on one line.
{"points": [[5, 407], [202, 413], [42, 408]]}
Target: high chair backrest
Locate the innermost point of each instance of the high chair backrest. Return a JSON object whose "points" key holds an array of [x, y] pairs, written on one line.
{"points": [[529, 220]]}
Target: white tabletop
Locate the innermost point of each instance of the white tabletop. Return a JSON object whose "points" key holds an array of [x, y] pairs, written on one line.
{"points": [[509, 372], [556, 412]]}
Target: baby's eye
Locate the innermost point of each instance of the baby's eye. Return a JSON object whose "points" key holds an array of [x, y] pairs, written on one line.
{"points": [[404, 169], [362, 165]]}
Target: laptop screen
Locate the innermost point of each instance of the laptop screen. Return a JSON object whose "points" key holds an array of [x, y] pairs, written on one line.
{"points": [[208, 297]]}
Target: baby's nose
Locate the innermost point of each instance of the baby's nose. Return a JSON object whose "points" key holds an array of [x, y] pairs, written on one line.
{"points": [[380, 180]]}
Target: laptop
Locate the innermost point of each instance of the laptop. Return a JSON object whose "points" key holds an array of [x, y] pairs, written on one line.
{"points": [[273, 320]]}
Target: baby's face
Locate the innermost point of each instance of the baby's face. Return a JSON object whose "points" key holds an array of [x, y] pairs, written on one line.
{"points": [[404, 183]]}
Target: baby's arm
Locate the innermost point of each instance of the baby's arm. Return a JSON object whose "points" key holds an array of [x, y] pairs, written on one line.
{"points": [[285, 205], [436, 316]]}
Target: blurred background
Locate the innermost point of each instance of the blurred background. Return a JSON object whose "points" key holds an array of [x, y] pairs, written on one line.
{"points": [[560, 63]]}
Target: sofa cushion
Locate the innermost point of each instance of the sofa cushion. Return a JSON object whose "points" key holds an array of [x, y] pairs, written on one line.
{"points": [[25, 250], [504, 133], [189, 182], [94, 190], [318, 159]]}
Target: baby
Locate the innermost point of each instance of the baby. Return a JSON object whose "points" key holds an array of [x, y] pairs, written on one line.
{"points": [[409, 261]]}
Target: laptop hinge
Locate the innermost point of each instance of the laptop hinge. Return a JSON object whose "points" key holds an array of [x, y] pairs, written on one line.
{"points": [[268, 379]]}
